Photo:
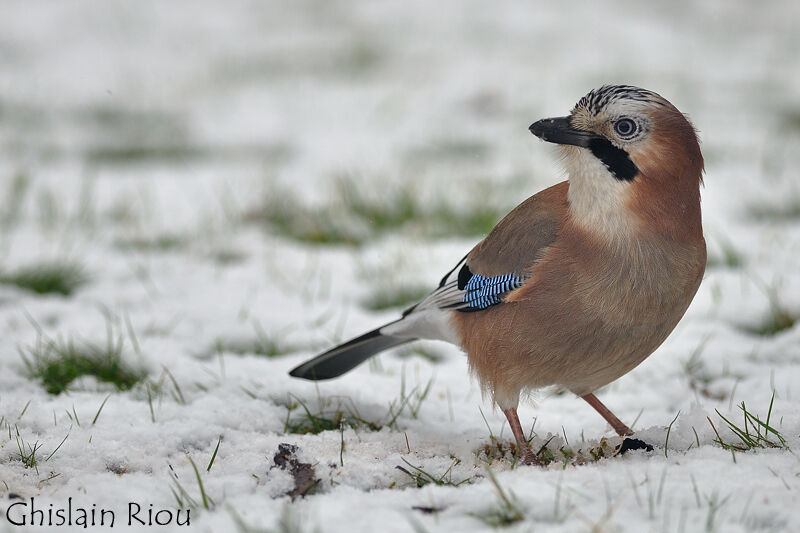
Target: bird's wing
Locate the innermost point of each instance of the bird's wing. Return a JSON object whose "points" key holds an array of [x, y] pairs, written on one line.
{"points": [[503, 260]]}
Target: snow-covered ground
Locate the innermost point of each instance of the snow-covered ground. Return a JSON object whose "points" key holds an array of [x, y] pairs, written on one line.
{"points": [[184, 159]]}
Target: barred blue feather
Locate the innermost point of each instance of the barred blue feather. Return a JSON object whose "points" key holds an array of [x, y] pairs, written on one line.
{"points": [[483, 291]]}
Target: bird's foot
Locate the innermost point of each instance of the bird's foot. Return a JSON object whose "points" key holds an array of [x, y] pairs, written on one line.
{"points": [[528, 457], [531, 459], [629, 444]]}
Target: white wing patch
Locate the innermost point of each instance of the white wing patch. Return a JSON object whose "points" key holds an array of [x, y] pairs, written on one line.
{"points": [[447, 295], [424, 324]]}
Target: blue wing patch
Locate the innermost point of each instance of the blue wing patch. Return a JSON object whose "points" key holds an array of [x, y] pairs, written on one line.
{"points": [[467, 292], [483, 291]]}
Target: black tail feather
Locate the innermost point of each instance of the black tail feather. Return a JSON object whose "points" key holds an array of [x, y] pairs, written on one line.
{"points": [[347, 356]]}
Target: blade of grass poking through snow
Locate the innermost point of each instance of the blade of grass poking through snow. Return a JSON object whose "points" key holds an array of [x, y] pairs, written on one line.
{"points": [[508, 512], [403, 402], [544, 453], [28, 458], [22, 413], [150, 403], [754, 434], [132, 335], [719, 438], [214, 455], [341, 445], [491, 435], [182, 497], [751, 434], [416, 525], [97, 415], [177, 394], [45, 480], [639, 414], [207, 502], [329, 416], [669, 429], [15, 196], [57, 447], [696, 491], [423, 478], [318, 423], [733, 393], [769, 415], [414, 407]]}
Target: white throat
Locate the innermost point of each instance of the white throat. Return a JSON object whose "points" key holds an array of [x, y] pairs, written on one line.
{"points": [[596, 197]]}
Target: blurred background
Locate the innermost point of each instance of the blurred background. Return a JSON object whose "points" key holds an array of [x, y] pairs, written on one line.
{"points": [[302, 100], [128, 129], [210, 192]]}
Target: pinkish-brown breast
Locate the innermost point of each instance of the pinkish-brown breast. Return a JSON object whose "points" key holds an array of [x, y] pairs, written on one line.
{"points": [[591, 312]]}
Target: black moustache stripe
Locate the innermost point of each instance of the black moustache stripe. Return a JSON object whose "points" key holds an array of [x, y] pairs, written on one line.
{"points": [[615, 159]]}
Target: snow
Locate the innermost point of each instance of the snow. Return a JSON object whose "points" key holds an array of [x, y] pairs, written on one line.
{"points": [[148, 131]]}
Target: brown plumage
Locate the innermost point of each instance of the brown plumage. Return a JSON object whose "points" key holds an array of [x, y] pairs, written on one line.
{"points": [[584, 280], [591, 310]]}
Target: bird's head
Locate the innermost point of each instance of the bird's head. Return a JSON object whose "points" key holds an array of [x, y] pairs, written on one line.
{"points": [[628, 151]]}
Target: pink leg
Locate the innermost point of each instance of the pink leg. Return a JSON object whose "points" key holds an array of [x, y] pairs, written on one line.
{"points": [[524, 449], [621, 429]]}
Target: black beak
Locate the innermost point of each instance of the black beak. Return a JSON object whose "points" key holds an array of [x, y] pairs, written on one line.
{"points": [[557, 130]]}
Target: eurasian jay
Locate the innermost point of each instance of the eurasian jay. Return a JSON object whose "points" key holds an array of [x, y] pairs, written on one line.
{"points": [[584, 280]]}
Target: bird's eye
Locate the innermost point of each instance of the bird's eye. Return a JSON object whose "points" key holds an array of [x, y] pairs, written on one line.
{"points": [[625, 127]]}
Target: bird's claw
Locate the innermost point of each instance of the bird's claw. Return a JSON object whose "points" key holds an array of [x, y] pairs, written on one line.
{"points": [[629, 444]]}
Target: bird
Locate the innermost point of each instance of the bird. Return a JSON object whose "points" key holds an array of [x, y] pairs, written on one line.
{"points": [[582, 281]]}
